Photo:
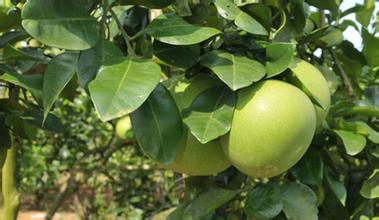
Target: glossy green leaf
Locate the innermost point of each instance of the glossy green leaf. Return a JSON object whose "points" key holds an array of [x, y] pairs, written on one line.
{"points": [[91, 60], [372, 134], [337, 187], [64, 24], [299, 202], [172, 29], [210, 114], [280, 56], [236, 71], [365, 14], [12, 53], [370, 188], [158, 126], [262, 13], [179, 56], [264, 202], [48, 123], [332, 38], [208, 201], [249, 24], [122, 85], [359, 127], [325, 4], [354, 143], [309, 169], [148, 3], [58, 73], [370, 45]]}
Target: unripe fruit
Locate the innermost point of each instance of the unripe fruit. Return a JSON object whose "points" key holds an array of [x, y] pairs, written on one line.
{"points": [[316, 83], [193, 157], [123, 126], [272, 127]]}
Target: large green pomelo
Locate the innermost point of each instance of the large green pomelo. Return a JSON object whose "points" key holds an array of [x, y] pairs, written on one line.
{"points": [[194, 158], [272, 127], [316, 83], [123, 126]]}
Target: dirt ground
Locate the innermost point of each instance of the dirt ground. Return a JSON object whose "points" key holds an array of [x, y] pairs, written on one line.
{"points": [[41, 216]]}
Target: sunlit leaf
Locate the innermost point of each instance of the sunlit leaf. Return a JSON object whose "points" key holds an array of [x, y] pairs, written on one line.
{"points": [[354, 143]]}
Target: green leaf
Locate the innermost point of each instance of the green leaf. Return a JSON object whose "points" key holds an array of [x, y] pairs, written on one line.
{"points": [[32, 83], [354, 143], [249, 24], [337, 187], [158, 126], [57, 74], [12, 53], [325, 4], [148, 3], [299, 202], [122, 85], [172, 29], [370, 188], [370, 45], [208, 201], [48, 123], [236, 71], [9, 20], [91, 60], [189, 55], [372, 134], [227, 9], [12, 37], [279, 57], [365, 14], [359, 127], [210, 114], [64, 24], [264, 202], [309, 169], [331, 38]]}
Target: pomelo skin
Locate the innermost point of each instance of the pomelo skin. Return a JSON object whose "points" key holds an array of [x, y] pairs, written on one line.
{"points": [[316, 83], [122, 127], [273, 125], [194, 158]]}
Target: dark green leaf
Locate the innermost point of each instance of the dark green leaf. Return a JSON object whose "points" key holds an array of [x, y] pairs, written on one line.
{"points": [[370, 43], [264, 202], [365, 13], [370, 188], [172, 29], [12, 37], [354, 143], [12, 53], [210, 114], [309, 169], [325, 4], [64, 24], [180, 56], [249, 24], [148, 3], [279, 57], [208, 201], [122, 85], [299, 202], [236, 71], [10, 20], [331, 38], [58, 73], [5, 137], [337, 187], [158, 126], [36, 118], [92, 59]]}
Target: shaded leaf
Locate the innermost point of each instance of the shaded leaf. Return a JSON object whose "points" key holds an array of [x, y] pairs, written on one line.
{"points": [[122, 85], [172, 29], [12, 53], [309, 169], [180, 56], [299, 202], [12, 37], [57, 74], [279, 57], [370, 188], [370, 45], [48, 123], [337, 187], [365, 13], [158, 126], [207, 201], [91, 60], [354, 143], [9, 20], [264, 202], [210, 114], [249, 24], [236, 71], [64, 24], [148, 3], [327, 4]]}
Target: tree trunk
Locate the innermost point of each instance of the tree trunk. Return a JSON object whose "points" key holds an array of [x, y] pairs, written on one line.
{"points": [[10, 196]]}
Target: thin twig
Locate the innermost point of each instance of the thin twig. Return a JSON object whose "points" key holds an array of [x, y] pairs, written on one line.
{"points": [[343, 74]]}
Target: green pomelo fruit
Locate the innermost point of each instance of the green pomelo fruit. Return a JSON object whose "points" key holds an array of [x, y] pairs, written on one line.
{"points": [[194, 158], [123, 126], [273, 125], [316, 83]]}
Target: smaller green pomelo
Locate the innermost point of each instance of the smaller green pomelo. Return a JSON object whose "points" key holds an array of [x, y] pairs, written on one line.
{"points": [[194, 158], [316, 83], [123, 126], [273, 126]]}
